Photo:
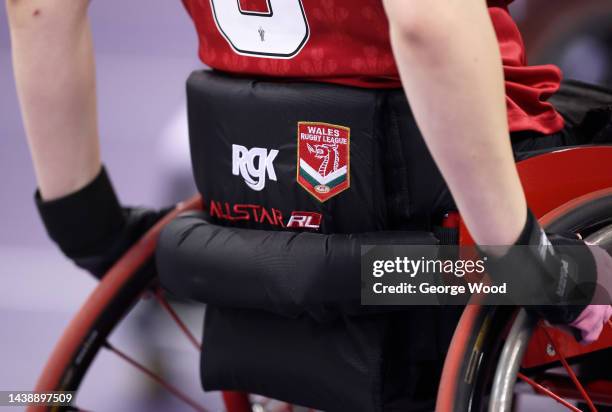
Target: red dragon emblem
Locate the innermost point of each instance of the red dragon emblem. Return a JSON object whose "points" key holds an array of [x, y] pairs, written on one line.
{"points": [[323, 159]]}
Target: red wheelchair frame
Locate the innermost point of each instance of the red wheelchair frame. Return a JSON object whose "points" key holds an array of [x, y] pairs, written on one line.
{"points": [[554, 183], [551, 181]]}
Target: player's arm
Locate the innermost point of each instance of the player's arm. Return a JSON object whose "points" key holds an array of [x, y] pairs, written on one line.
{"points": [[450, 66], [54, 72]]}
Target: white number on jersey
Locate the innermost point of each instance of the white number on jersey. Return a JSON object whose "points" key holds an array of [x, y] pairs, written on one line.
{"points": [[279, 33]]}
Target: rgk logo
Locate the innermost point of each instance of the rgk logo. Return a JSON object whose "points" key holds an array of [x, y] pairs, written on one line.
{"points": [[253, 165], [305, 220]]}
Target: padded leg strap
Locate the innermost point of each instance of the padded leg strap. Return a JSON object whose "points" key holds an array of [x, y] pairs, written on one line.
{"points": [[288, 273]]}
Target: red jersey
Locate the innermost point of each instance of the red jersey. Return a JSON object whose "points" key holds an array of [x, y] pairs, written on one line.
{"points": [[347, 42]]}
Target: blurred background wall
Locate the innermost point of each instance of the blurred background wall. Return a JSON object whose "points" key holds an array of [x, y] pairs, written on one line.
{"points": [[145, 49], [575, 35]]}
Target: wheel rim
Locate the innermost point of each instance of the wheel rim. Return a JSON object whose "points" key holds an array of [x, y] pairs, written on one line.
{"points": [[89, 329], [456, 393], [509, 364], [517, 341]]}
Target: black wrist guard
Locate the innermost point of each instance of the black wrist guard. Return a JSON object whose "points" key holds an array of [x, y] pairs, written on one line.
{"points": [[558, 272], [91, 228], [85, 222]]}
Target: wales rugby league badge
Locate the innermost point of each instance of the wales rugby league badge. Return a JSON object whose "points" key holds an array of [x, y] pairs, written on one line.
{"points": [[323, 159]]}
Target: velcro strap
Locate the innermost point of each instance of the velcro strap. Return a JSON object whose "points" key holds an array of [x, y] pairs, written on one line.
{"points": [[558, 272]]}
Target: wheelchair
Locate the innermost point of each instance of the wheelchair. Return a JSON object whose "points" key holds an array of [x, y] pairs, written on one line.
{"points": [[496, 352]]}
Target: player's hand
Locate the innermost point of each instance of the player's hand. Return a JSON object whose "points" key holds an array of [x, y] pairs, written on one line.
{"points": [[137, 221], [594, 318], [566, 281]]}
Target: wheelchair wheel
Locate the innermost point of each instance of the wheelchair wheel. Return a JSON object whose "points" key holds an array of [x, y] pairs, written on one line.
{"points": [[132, 277], [489, 344]]}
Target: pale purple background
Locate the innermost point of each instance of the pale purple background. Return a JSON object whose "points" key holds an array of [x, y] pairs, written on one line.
{"points": [[144, 49], [144, 52]]}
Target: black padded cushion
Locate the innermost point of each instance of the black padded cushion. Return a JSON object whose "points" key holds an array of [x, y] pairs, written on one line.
{"points": [[394, 183]]}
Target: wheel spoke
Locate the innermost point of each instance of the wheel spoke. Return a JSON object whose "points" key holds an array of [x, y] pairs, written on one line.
{"points": [[541, 389], [166, 305], [166, 385], [571, 373]]}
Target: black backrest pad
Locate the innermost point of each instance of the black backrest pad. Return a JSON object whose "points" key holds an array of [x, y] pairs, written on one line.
{"points": [[283, 315], [264, 150], [332, 160]]}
